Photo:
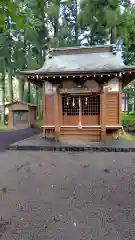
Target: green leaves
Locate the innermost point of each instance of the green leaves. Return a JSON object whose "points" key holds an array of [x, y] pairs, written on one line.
{"points": [[106, 19], [29, 27]]}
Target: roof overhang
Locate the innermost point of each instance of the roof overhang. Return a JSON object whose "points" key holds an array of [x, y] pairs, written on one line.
{"points": [[38, 77], [21, 102], [98, 61]]}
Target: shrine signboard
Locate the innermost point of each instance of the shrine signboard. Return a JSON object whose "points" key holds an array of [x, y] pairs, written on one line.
{"points": [[78, 90], [49, 89]]}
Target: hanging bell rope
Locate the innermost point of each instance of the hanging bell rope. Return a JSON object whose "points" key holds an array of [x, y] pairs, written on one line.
{"points": [[86, 100], [67, 101], [73, 104]]}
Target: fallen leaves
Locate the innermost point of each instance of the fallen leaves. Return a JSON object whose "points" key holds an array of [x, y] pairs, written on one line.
{"points": [[4, 225]]}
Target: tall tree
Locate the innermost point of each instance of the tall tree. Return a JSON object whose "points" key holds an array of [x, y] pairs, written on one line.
{"points": [[70, 18], [96, 19]]}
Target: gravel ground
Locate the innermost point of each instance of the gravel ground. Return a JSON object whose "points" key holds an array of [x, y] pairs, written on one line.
{"points": [[62, 196], [9, 137]]}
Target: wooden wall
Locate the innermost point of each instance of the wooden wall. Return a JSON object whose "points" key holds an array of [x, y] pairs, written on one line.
{"points": [[110, 115], [112, 108], [49, 110], [18, 106], [32, 114], [21, 124], [80, 134]]}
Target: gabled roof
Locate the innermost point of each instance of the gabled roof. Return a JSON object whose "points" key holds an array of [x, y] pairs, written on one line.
{"points": [[95, 59], [24, 103]]}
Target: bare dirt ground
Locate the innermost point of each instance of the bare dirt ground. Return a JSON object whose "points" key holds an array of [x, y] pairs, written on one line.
{"points": [[62, 196]]}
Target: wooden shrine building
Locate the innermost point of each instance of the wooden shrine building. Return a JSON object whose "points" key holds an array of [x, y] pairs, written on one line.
{"points": [[82, 92], [21, 115]]}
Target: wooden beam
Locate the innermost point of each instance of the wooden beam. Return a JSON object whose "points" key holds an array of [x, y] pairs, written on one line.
{"points": [[120, 108], [103, 114], [60, 110], [57, 115], [43, 99]]}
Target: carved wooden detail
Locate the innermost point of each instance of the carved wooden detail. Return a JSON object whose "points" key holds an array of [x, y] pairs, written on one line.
{"points": [[112, 86], [75, 91], [49, 132], [92, 84], [69, 84]]}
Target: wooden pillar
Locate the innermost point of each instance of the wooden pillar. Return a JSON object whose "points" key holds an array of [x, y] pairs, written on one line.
{"points": [[10, 119], [120, 106], [60, 110], [57, 115], [103, 114], [80, 112], [43, 107]]}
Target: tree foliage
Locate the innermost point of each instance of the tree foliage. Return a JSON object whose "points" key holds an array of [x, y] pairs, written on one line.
{"points": [[29, 27]]}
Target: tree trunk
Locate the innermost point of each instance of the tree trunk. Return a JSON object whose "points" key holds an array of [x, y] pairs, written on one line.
{"points": [[113, 35], [56, 28], [128, 100], [37, 101], [37, 95], [21, 90], [10, 86], [8, 61], [3, 96], [41, 7], [125, 101], [76, 22], [29, 92], [134, 97], [40, 108]]}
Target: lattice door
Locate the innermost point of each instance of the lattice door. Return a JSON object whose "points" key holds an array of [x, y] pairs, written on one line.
{"points": [[70, 110], [86, 108], [90, 109]]}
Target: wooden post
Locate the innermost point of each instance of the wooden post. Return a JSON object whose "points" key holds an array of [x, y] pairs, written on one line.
{"points": [[80, 113], [57, 115], [120, 105], [103, 114], [60, 110], [44, 108]]}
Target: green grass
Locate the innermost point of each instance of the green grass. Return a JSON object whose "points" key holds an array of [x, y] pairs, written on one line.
{"points": [[128, 137], [3, 127], [128, 119], [39, 123]]}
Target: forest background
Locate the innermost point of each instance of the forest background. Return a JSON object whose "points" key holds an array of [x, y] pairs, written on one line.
{"points": [[28, 28]]}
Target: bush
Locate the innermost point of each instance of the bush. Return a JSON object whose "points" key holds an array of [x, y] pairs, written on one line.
{"points": [[128, 120]]}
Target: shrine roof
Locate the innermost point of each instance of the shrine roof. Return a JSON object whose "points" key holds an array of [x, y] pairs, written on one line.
{"points": [[96, 59], [22, 102]]}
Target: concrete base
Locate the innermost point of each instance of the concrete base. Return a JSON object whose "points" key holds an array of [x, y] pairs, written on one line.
{"points": [[38, 143]]}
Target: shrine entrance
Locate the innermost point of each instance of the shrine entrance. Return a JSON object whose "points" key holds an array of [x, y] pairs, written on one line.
{"points": [[81, 110], [82, 97]]}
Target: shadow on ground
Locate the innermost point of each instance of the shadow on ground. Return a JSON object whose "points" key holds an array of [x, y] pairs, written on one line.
{"points": [[9, 137]]}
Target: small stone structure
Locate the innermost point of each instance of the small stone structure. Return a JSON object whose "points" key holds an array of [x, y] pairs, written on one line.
{"points": [[21, 115]]}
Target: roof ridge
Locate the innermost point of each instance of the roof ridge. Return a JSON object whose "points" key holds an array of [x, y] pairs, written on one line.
{"points": [[82, 47]]}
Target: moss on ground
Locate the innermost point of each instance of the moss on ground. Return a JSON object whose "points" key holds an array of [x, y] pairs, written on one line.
{"points": [[128, 137]]}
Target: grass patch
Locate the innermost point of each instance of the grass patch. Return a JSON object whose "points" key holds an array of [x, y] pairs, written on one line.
{"points": [[39, 123], [128, 119], [3, 127], [128, 137]]}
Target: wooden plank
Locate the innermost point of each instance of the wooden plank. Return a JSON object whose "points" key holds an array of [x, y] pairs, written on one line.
{"points": [[120, 108], [103, 114], [57, 116], [112, 108], [60, 110]]}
